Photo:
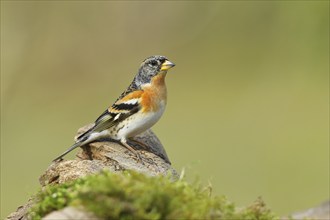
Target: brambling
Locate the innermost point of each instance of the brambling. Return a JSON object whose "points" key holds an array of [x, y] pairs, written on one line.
{"points": [[137, 109]]}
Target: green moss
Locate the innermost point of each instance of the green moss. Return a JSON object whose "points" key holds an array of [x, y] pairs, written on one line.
{"points": [[132, 195]]}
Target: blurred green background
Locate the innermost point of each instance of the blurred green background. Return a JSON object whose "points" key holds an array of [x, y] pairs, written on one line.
{"points": [[248, 99]]}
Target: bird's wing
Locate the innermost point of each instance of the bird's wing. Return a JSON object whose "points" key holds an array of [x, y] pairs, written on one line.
{"points": [[124, 107]]}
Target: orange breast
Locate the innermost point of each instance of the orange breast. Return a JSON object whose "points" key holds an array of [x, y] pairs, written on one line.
{"points": [[154, 93]]}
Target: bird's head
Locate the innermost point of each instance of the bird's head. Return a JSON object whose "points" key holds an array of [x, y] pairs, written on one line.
{"points": [[151, 67]]}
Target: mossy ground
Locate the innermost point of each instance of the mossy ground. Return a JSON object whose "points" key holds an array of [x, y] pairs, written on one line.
{"points": [[132, 195]]}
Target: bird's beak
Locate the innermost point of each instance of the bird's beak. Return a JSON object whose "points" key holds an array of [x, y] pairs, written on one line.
{"points": [[167, 65]]}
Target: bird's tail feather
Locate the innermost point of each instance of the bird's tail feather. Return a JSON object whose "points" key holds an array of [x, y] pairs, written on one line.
{"points": [[77, 144]]}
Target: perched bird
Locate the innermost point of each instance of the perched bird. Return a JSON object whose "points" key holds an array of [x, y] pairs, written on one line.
{"points": [[137, 109]]}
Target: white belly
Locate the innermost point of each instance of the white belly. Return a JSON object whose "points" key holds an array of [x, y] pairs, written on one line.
{"points": [[138, 123]]}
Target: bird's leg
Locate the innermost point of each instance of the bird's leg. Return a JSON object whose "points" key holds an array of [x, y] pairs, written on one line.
{"points": [[124, 143]]}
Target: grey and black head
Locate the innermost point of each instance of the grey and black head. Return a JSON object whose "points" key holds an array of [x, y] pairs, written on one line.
{"points": [[151, 67]]}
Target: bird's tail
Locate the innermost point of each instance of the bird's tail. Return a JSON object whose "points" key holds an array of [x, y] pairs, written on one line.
{"points": [[77, 144]]}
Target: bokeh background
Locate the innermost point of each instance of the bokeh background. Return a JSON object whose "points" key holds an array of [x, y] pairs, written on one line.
{"points": [[248, 99]]}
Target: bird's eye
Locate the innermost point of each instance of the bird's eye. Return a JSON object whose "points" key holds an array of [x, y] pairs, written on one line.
{"points": [[153, 63]]}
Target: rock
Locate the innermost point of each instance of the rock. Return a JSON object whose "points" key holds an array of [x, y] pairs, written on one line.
{"points": [[113, 156], [70, 213], [21, 212], [321, 212], [104, 154]]}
